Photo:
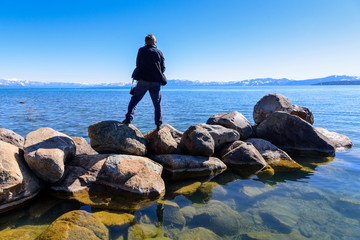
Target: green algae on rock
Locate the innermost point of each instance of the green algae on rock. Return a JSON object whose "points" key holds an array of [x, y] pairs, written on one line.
{"points": [[198, 233], [114, 219], [77, 224], [23, 232]]}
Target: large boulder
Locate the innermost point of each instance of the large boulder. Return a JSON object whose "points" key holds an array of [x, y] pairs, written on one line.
{"points": [[304, 113], [82, 146], [17, 183], [130, 175], [220, 134], [81, 173], [166, 140], [292, 134], [233, 120], [47, 151], [274, 156], [186, 166], [339, 141], [242, 157], [271, 103], [77, 224], [11, 137], [116, 137], [197, 141]]}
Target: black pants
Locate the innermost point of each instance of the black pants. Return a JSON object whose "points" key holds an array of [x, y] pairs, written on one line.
{"points": [[141, 88]]}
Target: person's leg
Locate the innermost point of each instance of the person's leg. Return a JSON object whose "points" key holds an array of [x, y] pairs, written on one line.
{"points": [[156, 99], [140, 91]]}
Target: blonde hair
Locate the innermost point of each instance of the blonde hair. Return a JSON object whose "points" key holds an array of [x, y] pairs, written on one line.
{"points": [[150, 39]]}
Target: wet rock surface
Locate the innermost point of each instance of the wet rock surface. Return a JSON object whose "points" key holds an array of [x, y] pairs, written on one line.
{"points": [[243, 157], [46, 151], [274, 156], [186, 166]]}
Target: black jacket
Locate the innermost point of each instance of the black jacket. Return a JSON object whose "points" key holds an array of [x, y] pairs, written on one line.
{"points": [[150, 63]]}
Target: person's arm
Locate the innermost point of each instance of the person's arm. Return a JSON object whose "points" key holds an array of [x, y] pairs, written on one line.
{"points": [[138, 59], [162, 62]]}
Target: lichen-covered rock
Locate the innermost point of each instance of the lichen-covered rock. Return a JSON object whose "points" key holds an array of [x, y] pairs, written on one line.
{"points": [[11, 137], [242, 157], [166, 140], [47, 151], [186, 166], [217, 217], [291, 133], [23, 232], [233, 120], [304, 113], [115, 137], [266, 172], [339, 141], [271, 103], [114, 219], [275, 157], [76, 225], [198, 233], [220, 134], [82, 146], [132, 175], [197, 141], [17, 183]]}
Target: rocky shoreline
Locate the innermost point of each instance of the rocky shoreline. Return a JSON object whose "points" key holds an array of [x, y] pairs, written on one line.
{"points": [[137, 166]]}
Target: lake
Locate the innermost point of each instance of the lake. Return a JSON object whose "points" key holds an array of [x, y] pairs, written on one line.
{"points": [[320, 201]]}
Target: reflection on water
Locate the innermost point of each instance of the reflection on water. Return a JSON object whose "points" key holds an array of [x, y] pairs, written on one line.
{"points": [[226, 206]]}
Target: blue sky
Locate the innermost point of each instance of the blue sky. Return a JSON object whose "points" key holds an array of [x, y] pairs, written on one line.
{"points": [[206, 40]]}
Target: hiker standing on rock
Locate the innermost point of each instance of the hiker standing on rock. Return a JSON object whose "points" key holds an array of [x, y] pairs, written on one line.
{"points": [[149, 72]]}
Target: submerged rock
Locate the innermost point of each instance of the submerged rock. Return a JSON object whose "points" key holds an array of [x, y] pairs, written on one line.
{"points": [[116, 137], [164, 141], [274, 156], [217, 217], [197, 141], [22, 232], [304, 113], [11, 137], [186, 166], [171, 215], [82, 146], [76, 225], [198, 233], [17, 183], [220, 134], [114, 219], [242, 157], [271, 103], [339, 141], [131, 175], [233, 120], [47, 151], [293, 134]]}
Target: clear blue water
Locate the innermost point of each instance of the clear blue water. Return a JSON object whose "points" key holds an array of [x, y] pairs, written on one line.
{"points": [[322, 202]]}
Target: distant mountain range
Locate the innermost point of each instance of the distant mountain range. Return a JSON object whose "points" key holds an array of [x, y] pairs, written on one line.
{"points": [[330, 80]]}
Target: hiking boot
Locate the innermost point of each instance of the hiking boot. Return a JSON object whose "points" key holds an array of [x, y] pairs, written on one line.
{"points": [[158, 126]]}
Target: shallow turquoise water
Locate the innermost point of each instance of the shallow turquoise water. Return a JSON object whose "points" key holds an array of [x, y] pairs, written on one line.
{"points": [[322, 202]]}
